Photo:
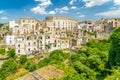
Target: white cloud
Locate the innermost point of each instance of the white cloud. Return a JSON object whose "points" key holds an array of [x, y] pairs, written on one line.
{"points": [[72, 2], [65, 8], [52, 12], [1, 11], [81, 16], [40, 0], [74, 7], [116, 2], [41, 8], [4, 18], [62, 10], [45, 3], [111, 13], [92, 3]]}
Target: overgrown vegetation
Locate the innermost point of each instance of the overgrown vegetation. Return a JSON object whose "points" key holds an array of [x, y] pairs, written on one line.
{"points": [[91, 33], [8, 67], [1, 25], [23, 59], [7, 28], [114, 53], [2, 51], [4, 54], [86, 64], [11, 52]]}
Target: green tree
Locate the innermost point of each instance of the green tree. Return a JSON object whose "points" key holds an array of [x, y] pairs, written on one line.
{"points": [[23, 59], [70, 73], [57, 55], [84, 70], [1, 25], [115, 74], [74, 57], [30, 66], [43, 62], [114, 52], [7, 28], [8, 67], [11, 52], [2, 51]]}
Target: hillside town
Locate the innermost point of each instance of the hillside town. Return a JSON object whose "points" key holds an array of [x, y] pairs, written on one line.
{"points": [[29, 36], [60, 40]]}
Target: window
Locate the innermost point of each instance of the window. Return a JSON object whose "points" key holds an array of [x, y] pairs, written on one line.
{"points": [[18, 45], [41, 42], [35, 37], [34, 43], [27, 38], [40, 37], [49, 29], [23, 21], [58, 45], [48, 37], [29, 44], [55, 45], [55, 41], [10, 41], [29, 49], [18, 51]]}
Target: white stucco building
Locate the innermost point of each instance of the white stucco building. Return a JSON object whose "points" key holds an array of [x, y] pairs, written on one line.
{"points": [[9, 40]]}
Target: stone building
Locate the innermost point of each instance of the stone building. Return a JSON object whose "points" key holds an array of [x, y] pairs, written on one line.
{"points": [[33, 36]]}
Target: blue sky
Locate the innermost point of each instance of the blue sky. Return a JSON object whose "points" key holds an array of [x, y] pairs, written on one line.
{"points": [[77, 9]]}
